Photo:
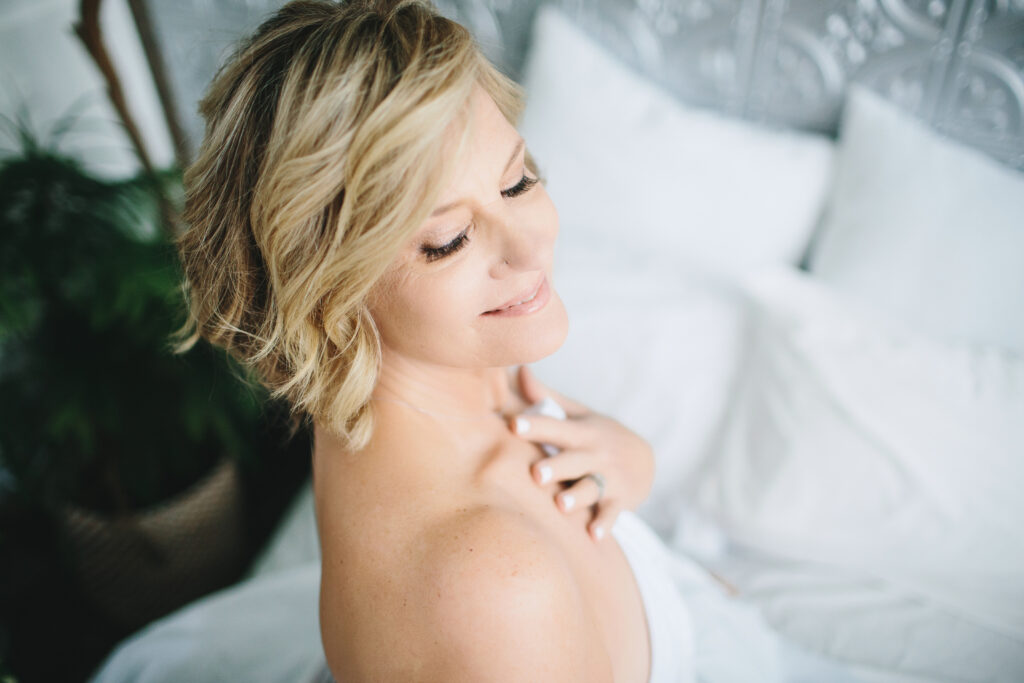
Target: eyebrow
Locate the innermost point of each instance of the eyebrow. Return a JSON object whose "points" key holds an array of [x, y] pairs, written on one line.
{"points": [[447, 207]]}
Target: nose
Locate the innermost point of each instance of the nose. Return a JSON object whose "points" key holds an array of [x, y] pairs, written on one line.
{"points": [[522, 242]]}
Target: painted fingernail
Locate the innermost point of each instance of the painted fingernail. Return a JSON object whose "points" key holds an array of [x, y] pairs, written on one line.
{"points": [[522, 425], [599, 532], [545, 473], [567, 501]]}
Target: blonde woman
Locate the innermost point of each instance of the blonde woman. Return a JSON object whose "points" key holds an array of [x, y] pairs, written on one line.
{"points": [[371, 236]]}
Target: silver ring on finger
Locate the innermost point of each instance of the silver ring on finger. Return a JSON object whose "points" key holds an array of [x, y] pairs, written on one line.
{"points": [[599, 480]]}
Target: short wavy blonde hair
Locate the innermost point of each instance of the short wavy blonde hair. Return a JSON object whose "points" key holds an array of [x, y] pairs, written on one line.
{"points": [[324, 150]]}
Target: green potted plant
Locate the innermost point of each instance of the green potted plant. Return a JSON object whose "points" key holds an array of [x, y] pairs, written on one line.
{"points": [[135, 451]]}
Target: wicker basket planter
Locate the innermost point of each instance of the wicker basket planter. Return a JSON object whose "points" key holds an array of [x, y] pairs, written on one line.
{"points": [[139, 567]]}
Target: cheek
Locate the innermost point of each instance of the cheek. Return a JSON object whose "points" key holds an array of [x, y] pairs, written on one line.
{"points": [[549, 214], [428, 307]]}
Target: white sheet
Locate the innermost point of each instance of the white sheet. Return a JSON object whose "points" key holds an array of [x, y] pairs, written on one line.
{"points": [[266, 629], [884, 634]]}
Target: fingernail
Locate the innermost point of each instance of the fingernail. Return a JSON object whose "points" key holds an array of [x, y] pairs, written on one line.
{"points": [[567, 501], [599, 532], [522, 425], [545, 473]]}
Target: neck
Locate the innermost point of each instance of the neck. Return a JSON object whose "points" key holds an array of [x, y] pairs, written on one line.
{"points": [[443, 389]]}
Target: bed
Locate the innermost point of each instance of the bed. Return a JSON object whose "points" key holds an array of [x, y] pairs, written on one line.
{"points": [[792, 252]]}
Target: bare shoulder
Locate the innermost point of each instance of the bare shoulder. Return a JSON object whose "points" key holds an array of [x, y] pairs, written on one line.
{"points": [[504, 606], [486, 597]]}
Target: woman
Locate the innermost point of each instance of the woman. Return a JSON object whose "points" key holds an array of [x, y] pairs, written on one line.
{"points": [[371, 236]]}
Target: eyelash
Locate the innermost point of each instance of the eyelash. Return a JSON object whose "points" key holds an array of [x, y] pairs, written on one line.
{"points": [[435, 253]]}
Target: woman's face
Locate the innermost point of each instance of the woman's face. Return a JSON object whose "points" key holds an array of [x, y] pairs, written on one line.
{"points": [[490, 242]]}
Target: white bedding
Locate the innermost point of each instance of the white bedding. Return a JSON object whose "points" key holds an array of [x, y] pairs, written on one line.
{"points": [[265, 629], [866, 476], [885, 634]]}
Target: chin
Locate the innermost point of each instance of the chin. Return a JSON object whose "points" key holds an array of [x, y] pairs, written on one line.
{"points": [[549, 337]]}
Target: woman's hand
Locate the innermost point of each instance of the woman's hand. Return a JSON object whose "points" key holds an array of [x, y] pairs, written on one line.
{"points": [[590, 442]]}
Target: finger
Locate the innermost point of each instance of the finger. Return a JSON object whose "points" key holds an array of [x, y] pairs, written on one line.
{"points": [[583, 493], [534, 390], [604, 520], [544, 429], [564, 466]]}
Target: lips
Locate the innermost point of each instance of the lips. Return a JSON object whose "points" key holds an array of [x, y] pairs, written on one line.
{"points": [[523, 300]]}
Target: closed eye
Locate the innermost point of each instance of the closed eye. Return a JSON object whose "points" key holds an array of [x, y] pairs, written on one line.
{"points": [[519, 188], [524, 185], [434, 253]]}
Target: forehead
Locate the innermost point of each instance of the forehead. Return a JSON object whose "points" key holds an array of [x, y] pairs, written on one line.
{"points": [[485, 136]]}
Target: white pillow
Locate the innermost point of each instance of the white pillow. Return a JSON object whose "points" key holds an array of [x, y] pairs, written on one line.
{"points": [[924, 227], [631, 167], [857, 442]]}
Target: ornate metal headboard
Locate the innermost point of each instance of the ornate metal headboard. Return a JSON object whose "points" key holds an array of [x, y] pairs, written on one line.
{"points": [[956, 64]]}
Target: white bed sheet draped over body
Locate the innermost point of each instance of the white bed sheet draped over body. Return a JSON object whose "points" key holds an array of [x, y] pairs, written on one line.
{"points": [[698, 632]]}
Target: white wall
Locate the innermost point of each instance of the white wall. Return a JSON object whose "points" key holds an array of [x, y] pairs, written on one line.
{"points": [[44, 65]]}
